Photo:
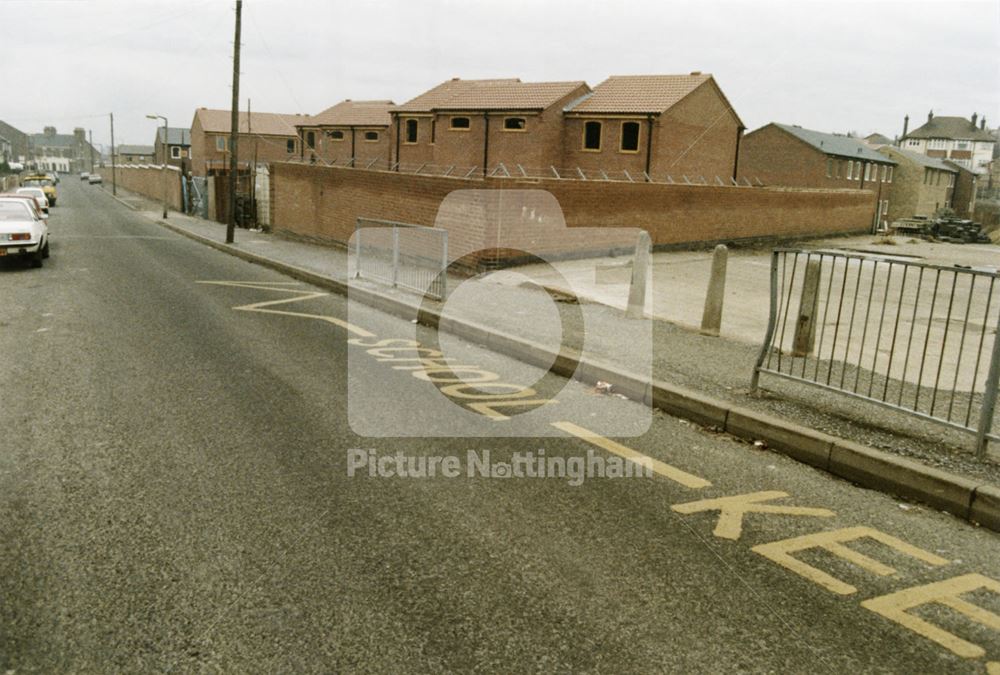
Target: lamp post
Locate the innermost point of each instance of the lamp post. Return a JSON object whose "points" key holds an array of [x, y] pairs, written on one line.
{"points": [[164, 169]]}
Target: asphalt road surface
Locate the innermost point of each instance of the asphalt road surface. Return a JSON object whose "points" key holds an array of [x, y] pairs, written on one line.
{"points": [[175, 495]]}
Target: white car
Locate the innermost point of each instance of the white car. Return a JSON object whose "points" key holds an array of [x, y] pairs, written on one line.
{"points": [[38, 194], [23, 233], [94, 178]]}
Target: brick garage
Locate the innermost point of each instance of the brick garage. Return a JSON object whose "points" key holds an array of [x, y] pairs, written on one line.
{"points": [[148, 181], [322, 203]]}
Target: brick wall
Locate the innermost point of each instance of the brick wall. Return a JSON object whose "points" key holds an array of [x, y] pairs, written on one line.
{"points": [[148, 181], [322, 203]]}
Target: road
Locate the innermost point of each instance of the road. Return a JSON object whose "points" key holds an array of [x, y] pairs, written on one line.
{"points": [[175, 496]]}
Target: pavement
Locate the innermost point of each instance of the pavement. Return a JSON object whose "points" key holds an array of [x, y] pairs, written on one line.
{"points": [[176, 494]]}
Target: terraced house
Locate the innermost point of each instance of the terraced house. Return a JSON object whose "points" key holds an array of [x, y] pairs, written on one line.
{"points": [[954, 138], [664, 125], [263, 137], [465, 126], [351, 133], [788, 155], [922, 184]]}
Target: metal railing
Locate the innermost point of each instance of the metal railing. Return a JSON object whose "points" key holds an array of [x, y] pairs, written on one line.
{"points": [[911, 336], [402, 255]]}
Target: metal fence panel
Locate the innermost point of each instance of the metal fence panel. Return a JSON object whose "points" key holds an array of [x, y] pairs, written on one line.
{"points": [[402, 255], [915, 337]]}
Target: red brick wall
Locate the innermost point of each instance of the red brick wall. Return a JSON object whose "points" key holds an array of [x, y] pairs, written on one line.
{"points": [[330, 149], [322, 203], [264, 148], [147, 182]]}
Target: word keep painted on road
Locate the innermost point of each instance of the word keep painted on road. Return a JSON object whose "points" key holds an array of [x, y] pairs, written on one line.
{"points": [[430, 365]]}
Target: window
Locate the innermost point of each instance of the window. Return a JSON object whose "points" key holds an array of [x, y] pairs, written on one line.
{"points": [[592, 136], [884, 167], [514, 124], [290, 145], [868, 171], [371, 136], [311, 139], [220, 143], [336, 135], [175, 152], [913, 142], [630, 137], [837, 168], [460, 123], [850, 169], [962, 145], [951, 180], [411, 131]]}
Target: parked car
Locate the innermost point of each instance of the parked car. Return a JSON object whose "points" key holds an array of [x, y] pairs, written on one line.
{"points": [[38, 194], [34, 202], [84, 175], [44, 182], [94, 178], [23, 233]]}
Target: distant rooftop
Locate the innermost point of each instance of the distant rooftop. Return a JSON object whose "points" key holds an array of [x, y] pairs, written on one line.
{"points": [[921, 159], [126, 149], [833, 144], [956, 128], [264, 123], [175, 136]]}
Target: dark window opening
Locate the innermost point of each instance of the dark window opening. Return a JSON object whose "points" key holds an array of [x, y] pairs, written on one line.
{"points": [[460, 123], [514, 123], [311, 139], [630, 136], [336, 134], [592, 136], [371, 135], [411, 131], [290, 145]]}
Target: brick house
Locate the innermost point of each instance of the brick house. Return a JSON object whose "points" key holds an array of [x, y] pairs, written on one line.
{"points": [[19, 142], [788, 155], [134, 154], [52, 151], [921, 184], [963, 198], [480, 124], [351, 132], [954, 138], [678, 125], [176, 150], [266, 137]]}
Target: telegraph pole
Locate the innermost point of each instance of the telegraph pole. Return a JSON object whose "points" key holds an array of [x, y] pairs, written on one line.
{"points": [[91, 132], [114, 174], [234, 128]]}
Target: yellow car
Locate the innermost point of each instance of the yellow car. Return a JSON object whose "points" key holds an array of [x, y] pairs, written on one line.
{"points": [[44, 182]]}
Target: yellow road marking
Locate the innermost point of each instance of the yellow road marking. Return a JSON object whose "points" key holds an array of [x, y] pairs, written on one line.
{"points": [[894, 606], [732, 509], [673, 473], [780, 552], [302, 295]]}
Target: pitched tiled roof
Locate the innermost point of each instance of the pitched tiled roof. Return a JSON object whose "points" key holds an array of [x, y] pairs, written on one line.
{"points": [[647, 94], [922, 160], [510, 94], [951, 127], [266, 124], [134, 149], [832, 144], [175, 136], [353, 113], [878, 139]]}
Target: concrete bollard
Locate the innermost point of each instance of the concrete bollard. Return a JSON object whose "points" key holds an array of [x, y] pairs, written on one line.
{"points": [[711, 317], [805, 324], [640, 275]]}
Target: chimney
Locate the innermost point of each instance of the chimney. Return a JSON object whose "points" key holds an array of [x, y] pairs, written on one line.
{"points": [[975, 117], [930, 115], [982, 123], [49, 131], [906, 125]]}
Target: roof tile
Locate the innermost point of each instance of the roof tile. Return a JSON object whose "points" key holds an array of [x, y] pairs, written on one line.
{"points": [[505, 94]]}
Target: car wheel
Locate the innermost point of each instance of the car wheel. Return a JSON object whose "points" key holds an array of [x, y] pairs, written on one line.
{"points": [[36, 260], [45, 250]]}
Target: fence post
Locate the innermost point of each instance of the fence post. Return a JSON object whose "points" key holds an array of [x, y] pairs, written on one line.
{"points": [[711, 318], [989, 396], [640, 274], [805, 324], [444, 267]]}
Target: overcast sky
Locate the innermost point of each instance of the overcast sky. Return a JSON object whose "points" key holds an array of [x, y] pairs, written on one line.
{"points": [[832, 66]]}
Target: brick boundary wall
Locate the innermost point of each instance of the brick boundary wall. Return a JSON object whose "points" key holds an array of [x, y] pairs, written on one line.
{"points": [[148, 181], [320, 204]]}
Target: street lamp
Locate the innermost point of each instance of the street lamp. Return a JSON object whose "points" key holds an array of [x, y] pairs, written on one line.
{"points": [[164, 169]]}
